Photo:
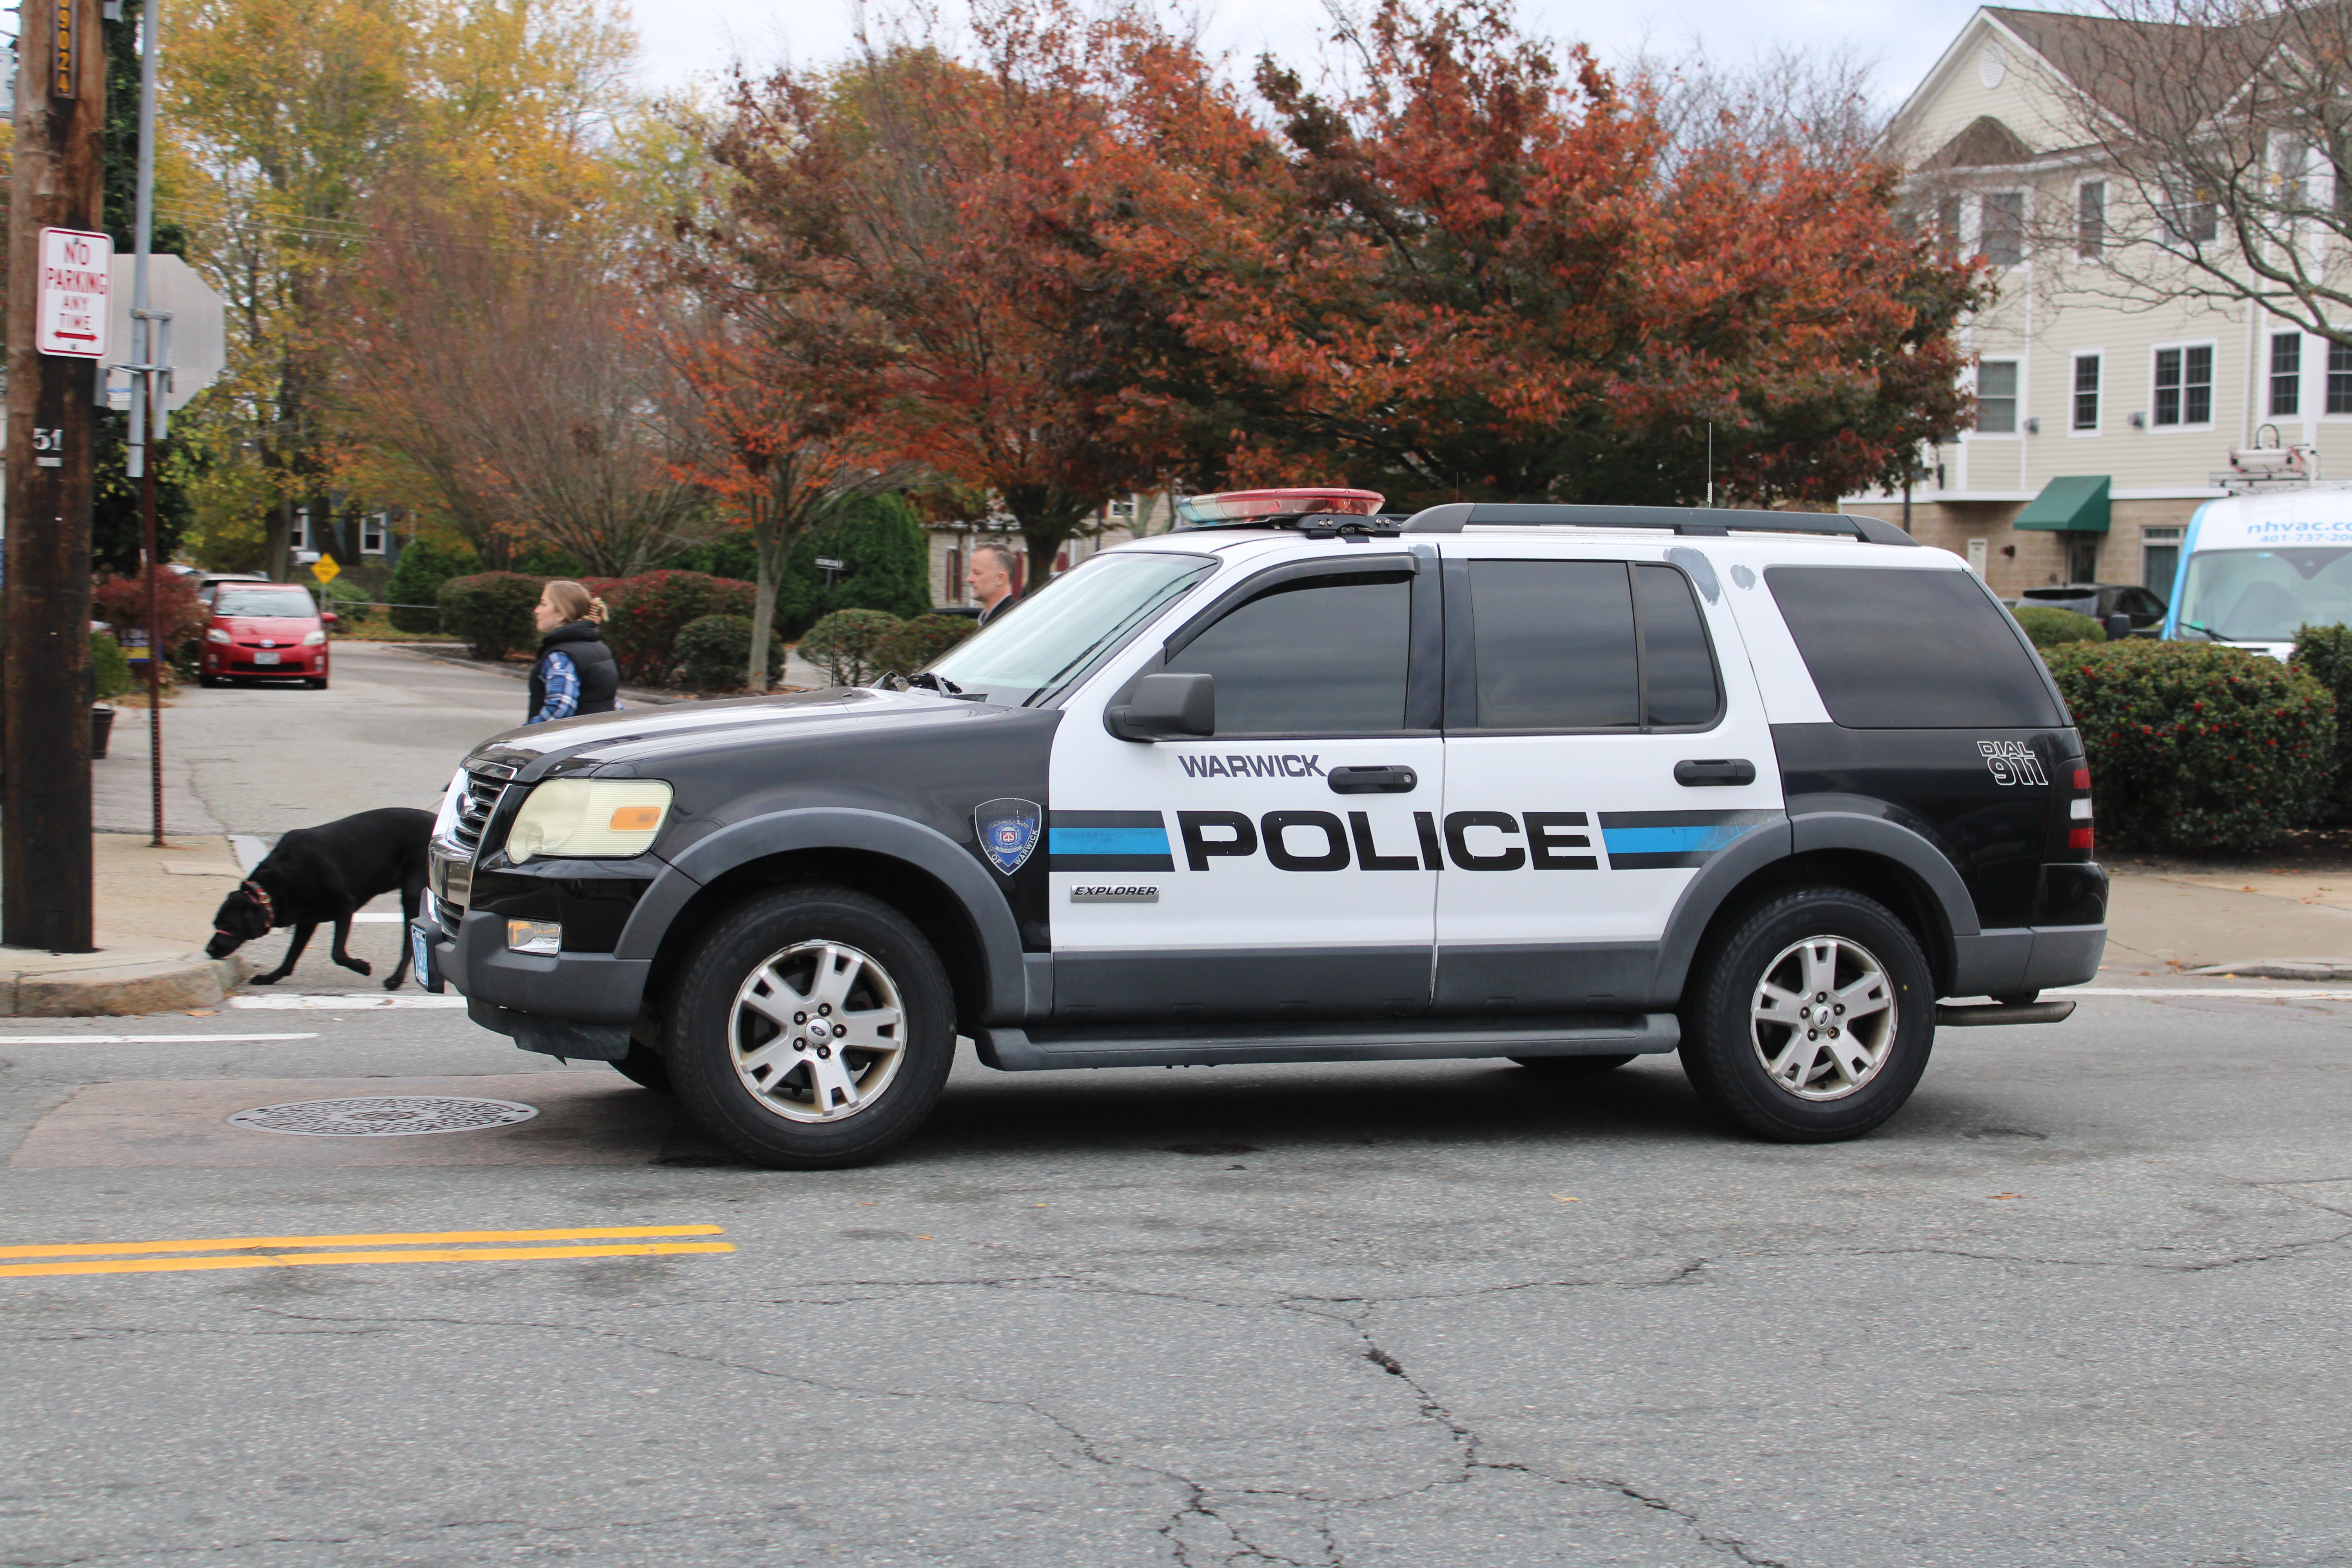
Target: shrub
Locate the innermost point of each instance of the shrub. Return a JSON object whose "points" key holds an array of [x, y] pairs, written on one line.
{"points": [[2049, 626], [122, 604], [845, 644], [346, 598], [886, 560], [111, 669], [2326, 652], [714, 653], [2196, 747], [416, 579], [646, 612], [492, 610], [910, 645]]}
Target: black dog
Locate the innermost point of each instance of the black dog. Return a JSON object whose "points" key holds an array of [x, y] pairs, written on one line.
{"points": [[320, 875]]}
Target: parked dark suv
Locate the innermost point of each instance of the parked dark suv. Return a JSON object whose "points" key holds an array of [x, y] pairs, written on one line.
{"points": [[2100, 600]]}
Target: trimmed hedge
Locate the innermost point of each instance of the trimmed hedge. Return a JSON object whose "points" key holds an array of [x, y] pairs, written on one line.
{"points": [[845, 645], [416, 579], [646, 612], [910, 645], [2196, 747], [2049, 626], [492, 610], [2326, 652], [714, 653]]}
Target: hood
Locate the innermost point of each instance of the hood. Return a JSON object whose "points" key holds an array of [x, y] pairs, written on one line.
{"points": [[612, 743]]}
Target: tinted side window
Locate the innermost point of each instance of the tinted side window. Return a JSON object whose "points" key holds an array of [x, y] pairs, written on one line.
{"points": [[1322, 656], [1554, 645], [1894, 649], [1678, 681]]}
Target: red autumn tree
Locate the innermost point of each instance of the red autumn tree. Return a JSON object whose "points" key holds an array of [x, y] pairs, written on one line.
{"points": [[978, 214], [1477, 274]]}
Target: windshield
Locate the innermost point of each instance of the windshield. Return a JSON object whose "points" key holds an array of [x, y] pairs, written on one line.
{"points": [[2263, 595], [282, 603], [1053, 638]]}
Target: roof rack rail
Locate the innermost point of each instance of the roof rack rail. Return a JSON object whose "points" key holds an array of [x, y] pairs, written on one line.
{"points": [[1716, 523]]}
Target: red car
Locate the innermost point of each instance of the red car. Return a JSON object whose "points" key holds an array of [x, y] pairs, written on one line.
{"points": [[265, 631]]}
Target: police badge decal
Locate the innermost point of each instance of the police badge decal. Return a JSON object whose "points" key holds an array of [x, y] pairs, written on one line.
{"points": [[1008, 831]]}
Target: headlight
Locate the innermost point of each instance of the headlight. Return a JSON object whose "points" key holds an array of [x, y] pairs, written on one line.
{"points": [[213, 634], [588, 818], [312, 639]]}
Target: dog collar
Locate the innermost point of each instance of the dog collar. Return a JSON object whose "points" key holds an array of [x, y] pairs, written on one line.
{"points": [[260, 895]]}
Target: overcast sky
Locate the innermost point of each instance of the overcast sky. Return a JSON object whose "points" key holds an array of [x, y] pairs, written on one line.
{"points": [[685, 37]]}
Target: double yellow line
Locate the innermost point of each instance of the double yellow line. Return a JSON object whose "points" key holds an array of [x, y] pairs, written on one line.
{"points": [[418, 1246]]}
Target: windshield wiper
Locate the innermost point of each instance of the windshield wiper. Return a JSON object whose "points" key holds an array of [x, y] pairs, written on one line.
{"points": [[931, 682], [2210, 634]]}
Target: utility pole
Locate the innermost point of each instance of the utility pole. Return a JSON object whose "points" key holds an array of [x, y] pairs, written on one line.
{"points": [[44, 819]]}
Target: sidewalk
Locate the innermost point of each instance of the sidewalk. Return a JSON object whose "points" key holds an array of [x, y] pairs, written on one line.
{"points": [[2248, 923], [154, 915]]}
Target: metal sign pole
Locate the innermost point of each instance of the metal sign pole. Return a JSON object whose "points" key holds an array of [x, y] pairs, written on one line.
{"points": [[146, 397]]}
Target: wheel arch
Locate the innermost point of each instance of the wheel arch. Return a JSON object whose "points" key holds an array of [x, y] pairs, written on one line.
{"points": [[921, 873], [1870, 856]]}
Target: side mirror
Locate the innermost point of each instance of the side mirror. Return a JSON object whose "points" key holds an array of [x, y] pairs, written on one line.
{"points": [[329, 617], [2119, 626], [1164, 707]]}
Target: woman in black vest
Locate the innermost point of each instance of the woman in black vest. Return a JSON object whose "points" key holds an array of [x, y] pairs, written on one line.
{"points": [[575, 672]]}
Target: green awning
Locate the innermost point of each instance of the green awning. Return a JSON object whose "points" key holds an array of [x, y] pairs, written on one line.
{"points": [[2076, 504]]}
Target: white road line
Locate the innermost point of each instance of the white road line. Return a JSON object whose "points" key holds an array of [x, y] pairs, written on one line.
{"points": [[8, 1039], [345, 1000], [2154, 991]]}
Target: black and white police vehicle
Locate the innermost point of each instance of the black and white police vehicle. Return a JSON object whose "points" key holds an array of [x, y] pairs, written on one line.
{"points": [[1557, 784]]}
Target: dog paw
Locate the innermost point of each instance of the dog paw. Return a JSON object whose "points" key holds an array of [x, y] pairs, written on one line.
{"points": [[393, 984], [265, 979], [360, 965]]}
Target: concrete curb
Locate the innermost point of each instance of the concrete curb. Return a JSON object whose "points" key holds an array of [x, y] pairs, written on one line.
{"points": [[118, 982], [2283, 969]]}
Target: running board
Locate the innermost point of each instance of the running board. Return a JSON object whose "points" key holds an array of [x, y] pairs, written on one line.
{"points": [[1394, 1040], [1950, 1017]]}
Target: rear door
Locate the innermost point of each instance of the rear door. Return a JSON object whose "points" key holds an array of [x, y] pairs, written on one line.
{"points": [[1274, 870], [1604, 741]]}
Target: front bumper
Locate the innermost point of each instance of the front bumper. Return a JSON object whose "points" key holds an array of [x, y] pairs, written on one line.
{"points": [[567, 1004]]}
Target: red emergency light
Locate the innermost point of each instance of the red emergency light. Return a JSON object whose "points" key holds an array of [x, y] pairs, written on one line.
{"points": [[1230, 507]]}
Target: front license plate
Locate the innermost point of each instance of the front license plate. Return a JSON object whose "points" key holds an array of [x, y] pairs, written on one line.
{"points": [[420, 949], [265, 658]]}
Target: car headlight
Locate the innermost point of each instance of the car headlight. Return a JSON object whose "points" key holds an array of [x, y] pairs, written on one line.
{"points": [[312, 639], [213, 634], [588, 819]]}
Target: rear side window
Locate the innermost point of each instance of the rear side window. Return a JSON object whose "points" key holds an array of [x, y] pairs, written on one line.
{"points": [[1588, 645], [1894, 649]]}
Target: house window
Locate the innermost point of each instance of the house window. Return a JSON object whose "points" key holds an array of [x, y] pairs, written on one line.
{"points": [[300, 537], [2004, 227], [2184, 386], [2191, 218], [1948, 226], [2287, 374], [1997, 398], [2086, 392], [2091, 219], [372, 530], [2159, 559], [2340, 378]]}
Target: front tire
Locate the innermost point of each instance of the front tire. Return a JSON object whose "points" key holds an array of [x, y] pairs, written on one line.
{"points": [[1810, 1018], [812, 1028]]}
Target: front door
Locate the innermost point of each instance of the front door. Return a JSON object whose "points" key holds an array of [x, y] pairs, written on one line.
{"points": [[1592, 765], [1277, 869]]}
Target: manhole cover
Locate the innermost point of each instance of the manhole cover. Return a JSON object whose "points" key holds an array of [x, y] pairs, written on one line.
{"points": [[391, 1115]]}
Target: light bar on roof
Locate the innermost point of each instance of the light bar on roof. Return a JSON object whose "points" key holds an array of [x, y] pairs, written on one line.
{"points": [[1230, 507]]}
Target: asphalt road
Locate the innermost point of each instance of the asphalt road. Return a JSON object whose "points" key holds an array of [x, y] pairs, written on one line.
{"points": [[2086, 1302]]}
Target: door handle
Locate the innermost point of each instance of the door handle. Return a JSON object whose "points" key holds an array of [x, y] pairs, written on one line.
{"points": [[1712, 771], [1373, 781]]}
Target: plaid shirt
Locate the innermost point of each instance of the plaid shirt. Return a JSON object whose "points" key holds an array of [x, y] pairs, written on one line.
{"points": [[562, 681]]}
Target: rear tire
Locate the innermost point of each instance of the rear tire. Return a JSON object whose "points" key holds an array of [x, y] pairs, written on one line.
{"points": [[1572, 1066], [1810, 1018], [812, 1028]]}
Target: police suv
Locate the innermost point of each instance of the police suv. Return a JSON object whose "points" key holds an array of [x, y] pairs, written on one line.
{"points": [[1558, 785]]}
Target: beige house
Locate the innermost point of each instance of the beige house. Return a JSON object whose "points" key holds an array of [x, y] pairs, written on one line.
{"points": [[2103, 418]]}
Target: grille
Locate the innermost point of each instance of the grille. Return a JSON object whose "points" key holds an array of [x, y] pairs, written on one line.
{"points": [[473, 809], [447, 916]]}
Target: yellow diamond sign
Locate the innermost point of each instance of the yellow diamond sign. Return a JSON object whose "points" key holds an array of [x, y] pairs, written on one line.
{"points": [[325, 570]]}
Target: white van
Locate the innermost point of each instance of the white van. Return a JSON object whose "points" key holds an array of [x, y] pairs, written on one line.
{"points": [[2253, 568]]}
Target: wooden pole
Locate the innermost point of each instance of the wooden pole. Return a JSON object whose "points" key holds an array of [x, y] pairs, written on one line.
{"points": [[45, 817]]}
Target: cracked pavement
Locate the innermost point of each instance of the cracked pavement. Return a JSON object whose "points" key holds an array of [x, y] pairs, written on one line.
{"points": [[2086, 1302]]}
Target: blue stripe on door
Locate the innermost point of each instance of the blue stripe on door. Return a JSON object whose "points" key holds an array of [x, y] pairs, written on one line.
{"points": [[1108, 841], [1692, 840]]}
